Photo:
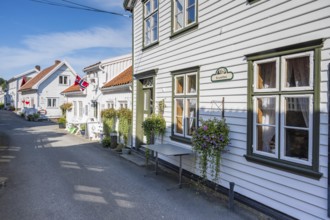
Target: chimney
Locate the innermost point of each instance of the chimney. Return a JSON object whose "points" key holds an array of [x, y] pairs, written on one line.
{"points": [[57, 62], [38, 67]]}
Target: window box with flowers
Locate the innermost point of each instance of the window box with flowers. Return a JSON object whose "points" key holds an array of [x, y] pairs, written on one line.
{"points": [[209, 141]]}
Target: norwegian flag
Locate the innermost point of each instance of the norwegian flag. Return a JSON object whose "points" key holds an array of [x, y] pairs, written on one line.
{"points": [[81, 82]]}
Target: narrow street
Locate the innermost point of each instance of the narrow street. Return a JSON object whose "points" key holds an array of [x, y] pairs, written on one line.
{"points": [[53, 175]]}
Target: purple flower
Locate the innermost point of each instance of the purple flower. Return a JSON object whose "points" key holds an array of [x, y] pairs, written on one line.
{"points": [[205, 128]]}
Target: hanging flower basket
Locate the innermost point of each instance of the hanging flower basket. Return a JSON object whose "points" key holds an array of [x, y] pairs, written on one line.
{"points": [[209, 141]]}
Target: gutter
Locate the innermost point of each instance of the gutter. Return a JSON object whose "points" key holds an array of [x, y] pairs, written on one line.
{"points": [[117, 88], [328, 144]]}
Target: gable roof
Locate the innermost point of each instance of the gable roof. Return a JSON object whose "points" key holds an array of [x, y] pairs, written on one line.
{"points": [[123, 78], [29, 84]]}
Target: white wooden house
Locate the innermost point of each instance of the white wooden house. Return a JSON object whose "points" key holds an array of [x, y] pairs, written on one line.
{"points": [[16, 82], [262, 64], [42, 92], [109, 87]]}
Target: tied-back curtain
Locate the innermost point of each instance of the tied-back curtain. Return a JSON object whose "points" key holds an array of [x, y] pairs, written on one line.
{"points": [[298, 76]]}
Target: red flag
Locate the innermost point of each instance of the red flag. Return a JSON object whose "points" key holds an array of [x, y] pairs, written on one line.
{"points": [[82, 83]]}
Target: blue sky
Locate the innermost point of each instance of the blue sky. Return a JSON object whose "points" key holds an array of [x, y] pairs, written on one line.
{"points": [[37, 34]]}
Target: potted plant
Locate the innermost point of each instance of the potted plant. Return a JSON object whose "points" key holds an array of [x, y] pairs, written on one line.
{"points": [[61, 122], [209, 141], [82, 129], [35, 116], [66, 107], [153, 125]]}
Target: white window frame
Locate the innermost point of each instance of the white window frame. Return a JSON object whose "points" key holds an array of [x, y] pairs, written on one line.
{"points": [[255, 73], [310, 54], [52, 99], [123, 104], [309, 129], [150, 17], [185, 15], [110, 104], [280, 127], [80, 107], [185, 96], [62, 78], [75, 108], [255, 120]]}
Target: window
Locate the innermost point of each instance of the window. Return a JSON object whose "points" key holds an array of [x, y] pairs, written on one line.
{"points": [[184, 14], [80, 109], [150, 22], [51, 102], [110, 104], [74, 108], [123, 104], [86, 110], [185, 104], [63, 80], [284, 99]]}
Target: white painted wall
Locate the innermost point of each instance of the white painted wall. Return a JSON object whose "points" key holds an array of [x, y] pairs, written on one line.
{"points": [[227, 31]]}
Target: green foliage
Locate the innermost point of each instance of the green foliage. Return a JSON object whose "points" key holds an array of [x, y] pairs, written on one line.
{"points": [[161, 106], [35, 116], [62, 120], [109, 113], [109, 120], [3, 84], [2, 106], [125, 123], [209, 140], [65, 107], [153, 125], [106, 142], [82, 127]]}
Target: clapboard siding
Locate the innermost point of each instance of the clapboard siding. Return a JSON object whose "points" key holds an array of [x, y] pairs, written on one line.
{"points": [[226, 33]]}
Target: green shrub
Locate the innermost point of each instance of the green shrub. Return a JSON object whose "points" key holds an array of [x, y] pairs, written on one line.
{"points": [[82, 127], [125, 120], [106, 142], [61, 120], [65, 107], [2, 106], [109, 120]]}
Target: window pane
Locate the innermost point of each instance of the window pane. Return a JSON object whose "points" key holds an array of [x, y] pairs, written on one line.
{"points": [[65, 80], [297, 111], [191, 84], [296, 142], [60, 80], [179, 14], [155, 4], [147, 39], [266, 111], [179, 84], [191, 116], [179, 116], [49, 102], [266, 139], [191, 17], [155, 27], [266, 75], [54, 102], [297, 72], [148, 8]]}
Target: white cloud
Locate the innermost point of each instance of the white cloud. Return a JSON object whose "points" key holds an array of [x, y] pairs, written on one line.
{"points": [[44, 49]]}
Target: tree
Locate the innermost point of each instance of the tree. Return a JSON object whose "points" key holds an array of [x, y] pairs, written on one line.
{"points": [[3, 84]]}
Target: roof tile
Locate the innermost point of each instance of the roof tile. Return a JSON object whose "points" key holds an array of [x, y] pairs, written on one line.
{"points": [[123, 78]]}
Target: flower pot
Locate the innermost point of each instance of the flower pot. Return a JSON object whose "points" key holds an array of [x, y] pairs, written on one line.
{"points": [[82, 132], [60, 125]]}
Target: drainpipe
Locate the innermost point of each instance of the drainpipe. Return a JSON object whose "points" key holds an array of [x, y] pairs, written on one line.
{"points": [[328, 144]]}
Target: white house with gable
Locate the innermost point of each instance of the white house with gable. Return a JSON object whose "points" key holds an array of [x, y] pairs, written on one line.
{"points": [[264, 66], [15, 83], [42, 92]]}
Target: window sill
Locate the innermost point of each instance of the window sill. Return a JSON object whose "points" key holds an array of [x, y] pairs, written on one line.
{"points": [[150, 45], [184, 30], [180, 139], [296, 169]]}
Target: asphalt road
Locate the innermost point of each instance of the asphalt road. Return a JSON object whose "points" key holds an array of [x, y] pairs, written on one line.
{"points": [[53, 175]]}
